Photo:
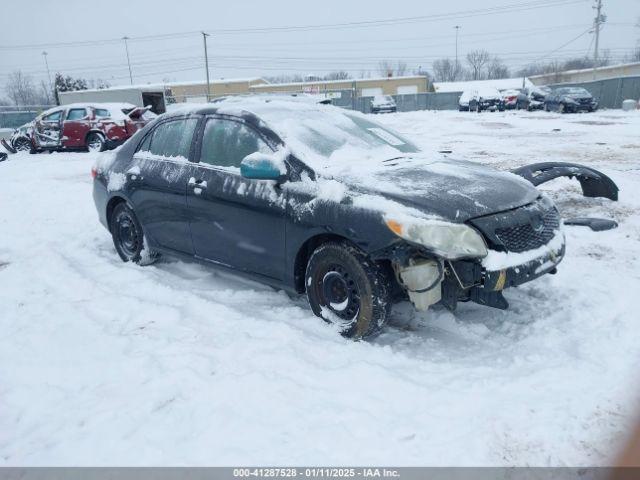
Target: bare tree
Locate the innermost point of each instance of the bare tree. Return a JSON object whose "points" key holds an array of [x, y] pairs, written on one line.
{"points": [[401, 68], [497, 69], [337, 75], [45, 93], [20, 88], [477, 59], [447, 70], [386, 68]]}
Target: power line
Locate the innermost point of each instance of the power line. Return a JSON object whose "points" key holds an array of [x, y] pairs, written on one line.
{"points": [[508, 8]]}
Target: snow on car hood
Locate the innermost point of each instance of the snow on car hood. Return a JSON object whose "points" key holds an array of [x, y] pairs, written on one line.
{"points": [[454, 190]]}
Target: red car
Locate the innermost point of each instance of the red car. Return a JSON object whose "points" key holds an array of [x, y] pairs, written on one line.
{"points": [[94, 127]]}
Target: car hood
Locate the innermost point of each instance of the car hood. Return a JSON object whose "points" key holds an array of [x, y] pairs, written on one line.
{"points": [[578, 96], [455, 190]]}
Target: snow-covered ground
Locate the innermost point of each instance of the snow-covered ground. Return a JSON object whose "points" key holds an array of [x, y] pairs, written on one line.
{"points": [[105, 363]]}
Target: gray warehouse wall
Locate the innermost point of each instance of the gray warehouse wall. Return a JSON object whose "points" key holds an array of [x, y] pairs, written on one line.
{"points": [[133, 96]]}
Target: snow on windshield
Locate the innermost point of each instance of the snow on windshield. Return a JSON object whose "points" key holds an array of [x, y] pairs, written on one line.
{"points": [[322, 135]]}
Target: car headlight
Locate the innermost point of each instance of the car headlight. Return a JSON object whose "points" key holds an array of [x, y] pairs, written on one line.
{"points": [[449, 240]]}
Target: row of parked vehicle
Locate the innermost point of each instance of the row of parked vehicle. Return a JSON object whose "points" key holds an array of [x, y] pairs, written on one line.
{"points": [[80, 126], [563, 100]]}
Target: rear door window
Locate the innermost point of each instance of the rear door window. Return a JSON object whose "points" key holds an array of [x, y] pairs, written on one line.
{"points": [[102, 113], [76, 114], [172, 139]]}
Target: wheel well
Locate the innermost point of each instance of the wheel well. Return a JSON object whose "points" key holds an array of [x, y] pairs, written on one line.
{"points": [[111, 205], [86, 137], [304, 253]]}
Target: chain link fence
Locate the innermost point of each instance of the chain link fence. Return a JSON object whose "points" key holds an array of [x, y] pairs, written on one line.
{"points": [[14, 116]]}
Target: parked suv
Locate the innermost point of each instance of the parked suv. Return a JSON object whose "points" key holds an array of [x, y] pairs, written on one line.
{"points": [[95, 127]]}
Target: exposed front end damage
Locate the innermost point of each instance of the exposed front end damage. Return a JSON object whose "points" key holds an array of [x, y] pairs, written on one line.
{"points": [[522, 244]]}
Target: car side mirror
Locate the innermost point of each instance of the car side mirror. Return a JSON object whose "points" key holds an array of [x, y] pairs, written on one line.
{"points": [[262, 166]]}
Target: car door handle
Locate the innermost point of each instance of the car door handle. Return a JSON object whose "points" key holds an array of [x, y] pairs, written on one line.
{"points": [[197, 183]]}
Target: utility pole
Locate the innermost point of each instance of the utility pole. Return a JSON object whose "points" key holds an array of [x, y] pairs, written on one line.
{"points": [[600, 18], [206, 64], [126, 47], [44, 54], [457, 27]]}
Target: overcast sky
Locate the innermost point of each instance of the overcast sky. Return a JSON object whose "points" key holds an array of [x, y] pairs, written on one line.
{"points": [[516, 32]]}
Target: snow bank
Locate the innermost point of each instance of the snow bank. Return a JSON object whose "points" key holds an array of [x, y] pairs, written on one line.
{"points": [[106, 363]]}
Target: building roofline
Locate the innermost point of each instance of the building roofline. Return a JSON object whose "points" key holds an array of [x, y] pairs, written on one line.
{"points": [[162, 86], [337, 82], [587, 70]]}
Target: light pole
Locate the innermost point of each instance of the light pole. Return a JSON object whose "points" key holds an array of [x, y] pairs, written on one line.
{"points": [[206, 64], [457, 27], [126, 47], [46, 63]]}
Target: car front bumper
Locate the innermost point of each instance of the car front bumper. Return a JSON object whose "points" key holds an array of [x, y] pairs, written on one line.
{"points": [[484, 283]]}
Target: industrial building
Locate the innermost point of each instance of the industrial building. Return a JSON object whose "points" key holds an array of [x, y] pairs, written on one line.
{"points": [[588, 74], [363, 87]]}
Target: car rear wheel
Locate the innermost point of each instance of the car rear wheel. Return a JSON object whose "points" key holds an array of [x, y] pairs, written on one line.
{"points": [[96, 142], [128, 236], [346, 288]]}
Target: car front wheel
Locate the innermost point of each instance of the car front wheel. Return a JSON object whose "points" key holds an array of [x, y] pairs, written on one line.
{"points": [[128, 236], [96, 142], [346, 288], [22, 145]]}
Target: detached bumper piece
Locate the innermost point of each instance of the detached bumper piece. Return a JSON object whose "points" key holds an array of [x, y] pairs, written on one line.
{"points": [[6, 145], [466, 281], [593, 182], [595, 224]]}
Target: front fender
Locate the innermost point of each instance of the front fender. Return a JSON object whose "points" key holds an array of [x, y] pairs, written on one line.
{"points": [[593, 182]]}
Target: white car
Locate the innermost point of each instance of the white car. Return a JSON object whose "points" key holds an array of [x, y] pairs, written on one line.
{"points": [[479, 99]]}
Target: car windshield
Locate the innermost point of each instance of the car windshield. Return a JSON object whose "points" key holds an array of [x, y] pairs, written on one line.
{"points": [[321, 134]]}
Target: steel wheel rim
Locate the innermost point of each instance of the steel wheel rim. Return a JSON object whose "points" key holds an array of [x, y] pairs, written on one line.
{"points": [[94, 144], [128, 235], [338, 292]]}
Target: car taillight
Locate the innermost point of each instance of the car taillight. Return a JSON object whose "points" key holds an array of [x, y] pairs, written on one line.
{"points": [[94, 172]]}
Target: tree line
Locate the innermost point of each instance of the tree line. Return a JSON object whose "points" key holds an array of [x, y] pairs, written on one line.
{"points": [[22, 90]]}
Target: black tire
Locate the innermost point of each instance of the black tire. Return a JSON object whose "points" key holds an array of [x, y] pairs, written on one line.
{"points": [[128, 236], [96, 142], [345, 287]]}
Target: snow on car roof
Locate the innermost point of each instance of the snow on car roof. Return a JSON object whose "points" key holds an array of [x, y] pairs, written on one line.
{"points": [[500, 84], [115, 108]]}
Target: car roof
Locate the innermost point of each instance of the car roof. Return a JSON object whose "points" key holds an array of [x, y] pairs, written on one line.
{"points": [[250, 105]]}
